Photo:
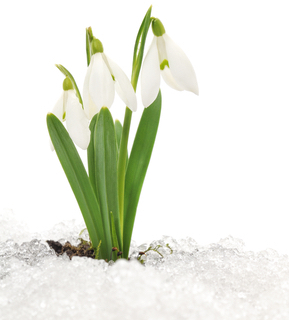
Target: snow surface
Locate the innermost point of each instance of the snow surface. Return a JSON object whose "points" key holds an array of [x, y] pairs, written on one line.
{"points": [[219, 281]]}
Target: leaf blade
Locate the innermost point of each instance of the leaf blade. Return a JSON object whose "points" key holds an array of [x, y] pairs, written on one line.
{"points": [[118, 131], [78, 179], [106, 155], [91, 155], [137, 166], [139, 47]]}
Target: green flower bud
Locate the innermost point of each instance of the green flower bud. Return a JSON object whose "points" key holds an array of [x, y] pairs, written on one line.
{"points": [[158, 27], [67, 84], [96, 46]]}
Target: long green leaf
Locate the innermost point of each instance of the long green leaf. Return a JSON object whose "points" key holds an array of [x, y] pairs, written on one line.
{"points": [[78, 179], [88, 39], [118, 132], [91, 154], [106, 154], [137, 166], [139, 47], [123, 155], [113, 236]]}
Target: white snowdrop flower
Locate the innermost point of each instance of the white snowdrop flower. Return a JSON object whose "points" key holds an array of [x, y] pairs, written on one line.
{"points": [[69, 109], [102, 79], [165, 58]]}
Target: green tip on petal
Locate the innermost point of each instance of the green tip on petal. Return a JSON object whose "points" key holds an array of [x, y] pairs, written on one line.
{"points": [[163, 64], [158, 27], [96, 46], [67, 84]]}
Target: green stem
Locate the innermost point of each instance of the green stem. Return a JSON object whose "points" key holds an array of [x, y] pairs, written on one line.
{"points": [[122, 164], [137, 62], [123, 153]]}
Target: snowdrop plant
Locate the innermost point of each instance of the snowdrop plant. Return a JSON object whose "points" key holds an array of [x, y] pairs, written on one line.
{"points": [[109, 192]]}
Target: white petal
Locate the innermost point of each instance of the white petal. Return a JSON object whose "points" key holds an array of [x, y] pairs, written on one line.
{"points": [[122, 85], [77, 122], [169, 79], [59, 108], [181, 67], [166, 72], [101, 86], [162, 52], [150, 76], [89, 106], [59, 112]]}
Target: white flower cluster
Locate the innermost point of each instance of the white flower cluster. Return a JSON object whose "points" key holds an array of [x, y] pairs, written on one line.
{"points": [[104, 77]]}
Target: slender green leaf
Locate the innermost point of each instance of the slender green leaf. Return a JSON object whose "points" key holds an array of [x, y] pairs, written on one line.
{"points": [[89, 37], [78, 179], [114, 236], [69, 75], [91, 155], [113, 231], [137, 166], [118, 131], [122, 159], [97, 251], [122, 164], [105, 148], [87, 47], [139, 47]]}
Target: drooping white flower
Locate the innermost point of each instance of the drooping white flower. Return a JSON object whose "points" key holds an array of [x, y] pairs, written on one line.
{"points": [[102, 79], [165, 58], [69, 109]]}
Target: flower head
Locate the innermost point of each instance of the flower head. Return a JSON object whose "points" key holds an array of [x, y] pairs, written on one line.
{"points": [[70, 109], [165, 58], [103, 78]]}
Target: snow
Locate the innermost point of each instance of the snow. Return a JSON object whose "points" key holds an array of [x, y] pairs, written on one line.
{"points": [[183, 280]]}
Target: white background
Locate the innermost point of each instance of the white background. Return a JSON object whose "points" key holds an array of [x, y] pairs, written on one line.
{"points": [[220, 161]]}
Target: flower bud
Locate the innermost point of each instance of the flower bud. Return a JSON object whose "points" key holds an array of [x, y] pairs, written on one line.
{"points": [[67, 84], [96, 46], [158, 27]]}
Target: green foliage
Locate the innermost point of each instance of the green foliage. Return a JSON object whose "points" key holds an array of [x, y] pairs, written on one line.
{"points": [[155, 249], [78, 179], [139, 47], [137, 165], [105, 162], [123, 155], [88, 38]]}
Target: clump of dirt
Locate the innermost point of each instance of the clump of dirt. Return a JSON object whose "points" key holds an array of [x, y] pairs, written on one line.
{"points": [[84, 249]]}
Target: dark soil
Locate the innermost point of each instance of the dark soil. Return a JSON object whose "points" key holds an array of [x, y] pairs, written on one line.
{"points": [[82, 250]]}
